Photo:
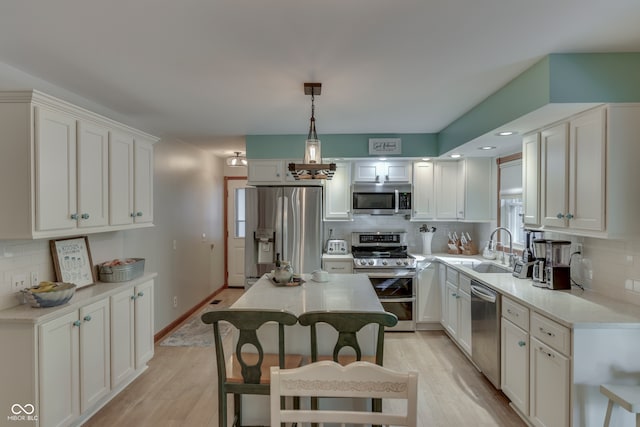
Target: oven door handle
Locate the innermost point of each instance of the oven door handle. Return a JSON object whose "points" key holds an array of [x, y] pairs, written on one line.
{"points": [[408, 299], [397, 204], [379, 275]]}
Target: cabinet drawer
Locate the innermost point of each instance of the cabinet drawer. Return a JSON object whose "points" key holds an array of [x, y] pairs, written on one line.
{"points": [[345, 267], [464, 284], [452, 275], [516, 313], [551, 333]]}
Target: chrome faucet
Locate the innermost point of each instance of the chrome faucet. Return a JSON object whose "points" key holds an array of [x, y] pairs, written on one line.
{"points": [[511, 256]]}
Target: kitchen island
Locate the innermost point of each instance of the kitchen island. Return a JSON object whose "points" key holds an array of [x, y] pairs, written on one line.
{"points": [[343, 292]]}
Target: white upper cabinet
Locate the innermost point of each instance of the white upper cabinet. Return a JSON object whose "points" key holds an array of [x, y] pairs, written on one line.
{"points": [[55, 171], [531, 178], [266, 172], [381, 171], [474, 189], [423, 194], [337, 194], [74, 171], [143, 180], [587, 173], [446, 187]]}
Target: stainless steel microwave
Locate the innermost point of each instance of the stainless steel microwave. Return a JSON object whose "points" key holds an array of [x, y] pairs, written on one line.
{"points": [[381, 199]]}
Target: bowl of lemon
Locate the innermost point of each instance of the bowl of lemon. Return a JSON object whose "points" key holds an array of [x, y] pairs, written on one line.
{"points": [[49, 294]]}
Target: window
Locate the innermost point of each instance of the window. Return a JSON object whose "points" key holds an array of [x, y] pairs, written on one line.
{"points": [[510, 196], [240, 219]]}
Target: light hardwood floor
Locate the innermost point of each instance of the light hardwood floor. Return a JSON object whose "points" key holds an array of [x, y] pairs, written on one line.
{"points": [[179, 388]]}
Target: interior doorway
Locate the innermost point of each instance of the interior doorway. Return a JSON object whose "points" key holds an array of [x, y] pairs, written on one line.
{"points": [[234, 230]]}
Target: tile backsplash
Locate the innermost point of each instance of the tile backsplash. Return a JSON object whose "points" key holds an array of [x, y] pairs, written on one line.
{"points": [[22, 257]]}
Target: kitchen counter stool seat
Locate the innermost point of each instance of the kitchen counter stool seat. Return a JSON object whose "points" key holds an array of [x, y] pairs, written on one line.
{"points": [[625, 396], [244, 372]]}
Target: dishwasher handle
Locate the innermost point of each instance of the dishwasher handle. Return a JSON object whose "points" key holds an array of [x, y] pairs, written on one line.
{"points": [[483, 293]]}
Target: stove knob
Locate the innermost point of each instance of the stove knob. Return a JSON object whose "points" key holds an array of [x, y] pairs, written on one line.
{"points": [[362, 262], [384, 262], [370, 262], [398, 262], [406, 263]]}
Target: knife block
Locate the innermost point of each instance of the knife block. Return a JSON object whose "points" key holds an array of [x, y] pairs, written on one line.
{"points": [[469, 249], [454, 247]]}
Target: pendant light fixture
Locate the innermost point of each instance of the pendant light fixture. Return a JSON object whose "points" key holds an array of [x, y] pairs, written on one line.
{"points": [[312, 168], [312, 149], [237, 160]]}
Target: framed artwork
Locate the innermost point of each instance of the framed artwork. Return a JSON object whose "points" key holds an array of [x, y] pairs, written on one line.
{"points": [[72, 261], [385, 146]]}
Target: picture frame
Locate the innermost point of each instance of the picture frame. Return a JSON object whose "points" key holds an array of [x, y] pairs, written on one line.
{"points": [[385, 146], [72, 261]]}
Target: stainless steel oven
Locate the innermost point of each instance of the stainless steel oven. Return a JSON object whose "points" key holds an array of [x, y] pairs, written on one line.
{"points": [[383, 257]]}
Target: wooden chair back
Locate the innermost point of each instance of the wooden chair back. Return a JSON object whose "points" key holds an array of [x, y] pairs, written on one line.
{"points": [[348, 323], [330, 379]]}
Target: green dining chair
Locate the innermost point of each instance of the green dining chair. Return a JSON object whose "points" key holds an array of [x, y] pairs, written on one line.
{"points": [[243, 372], [347, 324]]}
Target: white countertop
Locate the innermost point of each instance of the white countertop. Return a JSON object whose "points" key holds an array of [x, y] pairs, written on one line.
{"points": [[343, 292], [24, 313], [574, 308], [337, 256]]}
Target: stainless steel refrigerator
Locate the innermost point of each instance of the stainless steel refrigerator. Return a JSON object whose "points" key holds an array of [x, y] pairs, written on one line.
{"points": [[285, 221]]}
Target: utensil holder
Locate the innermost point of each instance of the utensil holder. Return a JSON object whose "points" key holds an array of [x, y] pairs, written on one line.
{"points": [[426, 242]]}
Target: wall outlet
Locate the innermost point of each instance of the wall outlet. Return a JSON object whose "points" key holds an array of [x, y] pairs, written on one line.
{"points": [[35, 278], [19, 281], [175, 302]]}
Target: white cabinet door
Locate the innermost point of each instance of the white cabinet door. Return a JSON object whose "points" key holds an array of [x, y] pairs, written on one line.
{"points": [[460, 189], [515, 365], [446, 184], [59, 371], [95, 367], [93, 175], [265, 172], [464, 321], [549, 388], [337, 194], [122, 337], [368, 172], [143, 323], [531, 178], [397, 171], [474, 189], [451, 323], [554, 165], [424, 203], [587, 155], [120, 178], [428, 294], [55, 171], [442, 284], [143, 181], [338, 266]]}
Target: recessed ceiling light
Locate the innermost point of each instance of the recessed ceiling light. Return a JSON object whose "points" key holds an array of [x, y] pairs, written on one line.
{"points": [[426, 159], [455, 156], [487, 147], [383, 158], [506, 133]]}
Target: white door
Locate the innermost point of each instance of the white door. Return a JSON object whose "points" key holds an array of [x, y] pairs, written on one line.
{"points": [[143, 180], [235, 231], [554, 149], [143, 308], [120, 179], [93, 175], [95, 359]]}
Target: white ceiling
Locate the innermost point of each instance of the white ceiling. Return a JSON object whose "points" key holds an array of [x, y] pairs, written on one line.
{"points": [[211, 71]]}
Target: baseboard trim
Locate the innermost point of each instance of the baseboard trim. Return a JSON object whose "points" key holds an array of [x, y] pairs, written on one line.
{"points": [[165, 331]]}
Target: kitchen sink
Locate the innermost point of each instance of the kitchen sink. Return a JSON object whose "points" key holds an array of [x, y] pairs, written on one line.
{"points": [[489, 267]]}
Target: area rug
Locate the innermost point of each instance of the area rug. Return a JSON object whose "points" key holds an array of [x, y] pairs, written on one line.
{"points": [[195, 333]]}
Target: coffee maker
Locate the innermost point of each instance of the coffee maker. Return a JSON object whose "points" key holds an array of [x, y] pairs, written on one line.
{"points": [[540, 255], [557, 270]]}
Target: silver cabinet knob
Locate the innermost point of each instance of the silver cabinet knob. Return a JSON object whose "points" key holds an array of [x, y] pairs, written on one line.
{"points": [[140, 294], [138, 213], [76, 323], [87, 318], [569, 216], [559, 216], [84, 216], [74, 216]]}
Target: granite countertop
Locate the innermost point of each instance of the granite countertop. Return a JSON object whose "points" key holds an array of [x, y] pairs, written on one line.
{"points": [[24, 313], [343, 292], [573, 308]]}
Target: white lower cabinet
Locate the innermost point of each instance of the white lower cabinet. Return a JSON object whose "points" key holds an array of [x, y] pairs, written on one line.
{"points": [[74, 363], [464, 314], [428, 295], [442, 284], [550, 384], [515, 365], [62, 364], [457, 305]]}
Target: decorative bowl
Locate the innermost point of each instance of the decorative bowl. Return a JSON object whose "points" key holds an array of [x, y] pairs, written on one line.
{"points": [[49, 294]]}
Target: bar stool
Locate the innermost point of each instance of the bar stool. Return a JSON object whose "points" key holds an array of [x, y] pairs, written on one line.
{"points": [[625, 396]]}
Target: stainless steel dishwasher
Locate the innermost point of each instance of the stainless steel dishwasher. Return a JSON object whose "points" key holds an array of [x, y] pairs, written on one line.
{"points": [[485, 331]]}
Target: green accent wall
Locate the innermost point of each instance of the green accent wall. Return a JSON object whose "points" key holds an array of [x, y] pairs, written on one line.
{"points": [[337, 145], [557, 78]]}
